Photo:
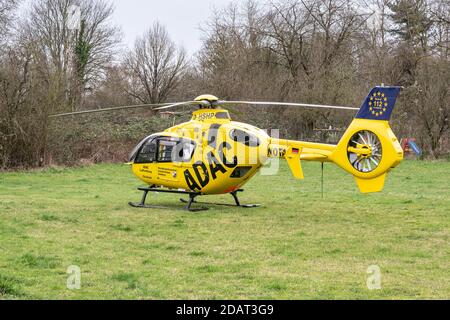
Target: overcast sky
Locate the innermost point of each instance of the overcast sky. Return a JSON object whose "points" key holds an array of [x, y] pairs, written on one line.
{"points": [[182, 18]]}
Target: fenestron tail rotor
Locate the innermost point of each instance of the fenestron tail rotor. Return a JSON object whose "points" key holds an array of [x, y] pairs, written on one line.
{"points": [[364, 151]]}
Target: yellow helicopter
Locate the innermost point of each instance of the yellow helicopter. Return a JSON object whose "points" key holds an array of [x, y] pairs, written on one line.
{"points": [[211, 154]]}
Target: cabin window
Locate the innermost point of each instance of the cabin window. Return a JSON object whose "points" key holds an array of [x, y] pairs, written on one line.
{"points": [[187, 150], [175, 150], [246, 138], [165, 149], [240, 172]]}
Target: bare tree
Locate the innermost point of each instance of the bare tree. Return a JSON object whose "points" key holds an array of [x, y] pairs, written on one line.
{"points": [[440, 32], [24, 108], [428, 106], [155, 66], [288, 32], [7, 8], [46, 67], [76, 55]]}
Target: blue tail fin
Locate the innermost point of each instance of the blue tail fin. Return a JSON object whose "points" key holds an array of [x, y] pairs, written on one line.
{"points": [[379, 103]]}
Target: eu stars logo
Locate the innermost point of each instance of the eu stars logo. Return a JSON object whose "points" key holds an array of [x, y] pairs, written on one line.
{"points": [[378, 103]]}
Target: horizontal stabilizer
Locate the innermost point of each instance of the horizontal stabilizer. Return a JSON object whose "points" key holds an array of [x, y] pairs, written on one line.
{"points": [[293, 159]]}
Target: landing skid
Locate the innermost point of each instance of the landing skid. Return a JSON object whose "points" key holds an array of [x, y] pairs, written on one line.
{"points": [[188, 206], [146, 190]]}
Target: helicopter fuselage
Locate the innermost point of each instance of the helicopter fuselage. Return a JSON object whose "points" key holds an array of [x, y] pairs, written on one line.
{"points": [[209, 154], [213, 155]]}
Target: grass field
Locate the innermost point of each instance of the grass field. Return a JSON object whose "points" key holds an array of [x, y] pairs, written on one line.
{"points": [[297, 246]]}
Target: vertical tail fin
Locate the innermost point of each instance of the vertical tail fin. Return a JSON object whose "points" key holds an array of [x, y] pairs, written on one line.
{"points": [[369, 148], [379, 104]]}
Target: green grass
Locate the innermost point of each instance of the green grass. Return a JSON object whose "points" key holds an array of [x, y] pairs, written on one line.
{"points": [[297, 246]]}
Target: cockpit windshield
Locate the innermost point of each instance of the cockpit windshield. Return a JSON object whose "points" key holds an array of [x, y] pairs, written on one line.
{"points": [[163, 149], [133, 153]]}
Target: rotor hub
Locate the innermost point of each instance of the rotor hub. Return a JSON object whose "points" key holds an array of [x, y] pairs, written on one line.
{"points": [[207, 101], [366, 152]]}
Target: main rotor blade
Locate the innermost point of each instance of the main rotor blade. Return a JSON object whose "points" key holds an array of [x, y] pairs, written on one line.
{"points": [[286, 104], [164, 106], [107, 109], [185, 103]]}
